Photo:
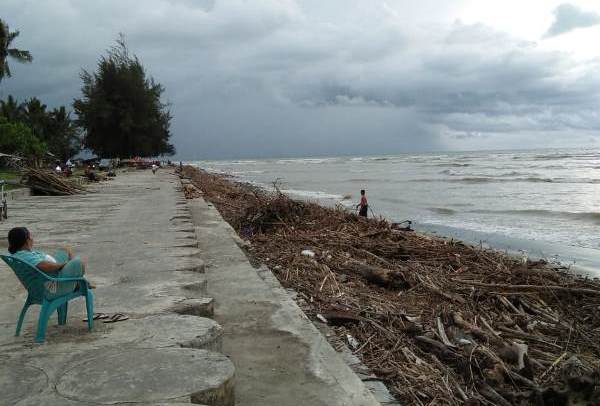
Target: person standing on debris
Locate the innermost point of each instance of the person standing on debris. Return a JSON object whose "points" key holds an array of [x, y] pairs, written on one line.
{"points": [[363, 206]]}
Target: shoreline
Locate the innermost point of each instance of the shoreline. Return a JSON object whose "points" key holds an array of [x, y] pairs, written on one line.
{"points": [[419, 306], [473, 197], [582, 261], [579, 260]]}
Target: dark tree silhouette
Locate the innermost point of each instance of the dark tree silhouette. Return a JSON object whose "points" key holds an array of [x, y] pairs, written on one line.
{"points": [[121, 109]]}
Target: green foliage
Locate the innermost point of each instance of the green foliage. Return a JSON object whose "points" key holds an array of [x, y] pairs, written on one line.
{"points": [[121, 110], [6, 39], [55, 129], [18, 139], [11, 109], [35, 115], [62, 134]]}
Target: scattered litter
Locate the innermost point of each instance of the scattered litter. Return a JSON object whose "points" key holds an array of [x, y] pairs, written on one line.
{"points": [[352, 342], [308, 253], [321, 318]]}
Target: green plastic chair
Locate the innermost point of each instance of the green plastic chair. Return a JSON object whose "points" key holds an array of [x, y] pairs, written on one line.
{"points": [[35, 281]]}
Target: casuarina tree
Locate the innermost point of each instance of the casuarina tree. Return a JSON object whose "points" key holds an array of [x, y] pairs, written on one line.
{"points": [[121, 110], [18, 55]]}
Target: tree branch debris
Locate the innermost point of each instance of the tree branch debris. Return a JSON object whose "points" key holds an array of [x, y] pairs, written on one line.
{"points": [[439, 321]]}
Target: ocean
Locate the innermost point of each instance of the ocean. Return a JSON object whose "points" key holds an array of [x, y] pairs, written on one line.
{"points": [[536, 203]]}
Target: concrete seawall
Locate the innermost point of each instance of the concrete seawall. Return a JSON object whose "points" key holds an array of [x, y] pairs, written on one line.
{"points": [[280, 357]]}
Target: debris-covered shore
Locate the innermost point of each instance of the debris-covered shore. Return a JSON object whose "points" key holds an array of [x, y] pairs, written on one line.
{"points": [[441, 322]]}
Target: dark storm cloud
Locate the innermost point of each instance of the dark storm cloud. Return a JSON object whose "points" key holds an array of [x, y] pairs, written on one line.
{"points": [[285, 78], [568, 17]]}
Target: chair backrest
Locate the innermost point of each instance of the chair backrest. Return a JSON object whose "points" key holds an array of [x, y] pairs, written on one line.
{"points": [[30, 277]]}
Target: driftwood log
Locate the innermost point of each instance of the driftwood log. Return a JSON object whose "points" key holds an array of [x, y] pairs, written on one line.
{"points": [[395, 278]]}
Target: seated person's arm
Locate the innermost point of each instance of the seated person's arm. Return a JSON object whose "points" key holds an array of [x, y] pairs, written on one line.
{"points": [[49, 267]]}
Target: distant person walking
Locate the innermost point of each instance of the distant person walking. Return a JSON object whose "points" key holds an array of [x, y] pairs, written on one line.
{"points": [[363, 206], [154, 168]]}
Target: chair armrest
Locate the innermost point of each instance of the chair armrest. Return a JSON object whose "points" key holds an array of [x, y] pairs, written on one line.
{"points": [[44, 274], [56, 279], [69, 279]]}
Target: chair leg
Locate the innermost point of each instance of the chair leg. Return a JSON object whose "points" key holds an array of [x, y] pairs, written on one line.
{"points": [[21, 318], [42, 323], [89, 304], [62, 314]]}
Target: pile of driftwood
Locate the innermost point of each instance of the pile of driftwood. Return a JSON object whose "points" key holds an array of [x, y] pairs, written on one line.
{"points": [[47, 183], [190, 191], [439, 321]]}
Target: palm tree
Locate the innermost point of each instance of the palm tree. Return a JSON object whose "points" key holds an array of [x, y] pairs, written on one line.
{"points": [[36, 117], [6, 38], [12, 110], [63, 137]]}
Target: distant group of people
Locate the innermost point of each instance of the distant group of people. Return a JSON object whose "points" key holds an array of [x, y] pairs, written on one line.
{"points": [[65, 169]]}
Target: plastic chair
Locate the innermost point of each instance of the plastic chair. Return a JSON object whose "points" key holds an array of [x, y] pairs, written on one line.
{"points": [[36, 283]]}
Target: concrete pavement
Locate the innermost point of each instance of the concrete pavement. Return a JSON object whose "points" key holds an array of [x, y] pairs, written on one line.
{"points": [[136, 236]]}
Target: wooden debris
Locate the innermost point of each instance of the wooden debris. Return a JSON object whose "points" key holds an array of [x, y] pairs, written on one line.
{"points": [[48, 183], [191, 191], [484, 328], [379, 276]]}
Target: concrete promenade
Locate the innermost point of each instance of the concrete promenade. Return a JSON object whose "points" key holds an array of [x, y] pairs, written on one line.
{"points": [[165, 262], [141, 251]]}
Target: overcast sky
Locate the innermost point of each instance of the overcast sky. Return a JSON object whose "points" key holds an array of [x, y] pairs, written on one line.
{"points": [[327, 77]]}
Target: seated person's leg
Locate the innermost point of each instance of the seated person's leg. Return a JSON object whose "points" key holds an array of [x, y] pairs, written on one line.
{"points": [[61, 256], [72, 269]]}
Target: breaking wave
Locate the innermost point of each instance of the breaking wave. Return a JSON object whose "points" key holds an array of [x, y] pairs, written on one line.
{"points": [[312, 194], [453, 165], [530, 179], [579, 216]]}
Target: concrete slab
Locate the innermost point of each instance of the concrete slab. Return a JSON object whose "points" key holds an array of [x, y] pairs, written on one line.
{"points": [[150, 375], [168, 330], [114, 376], [157, 331], [203, 307]]}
